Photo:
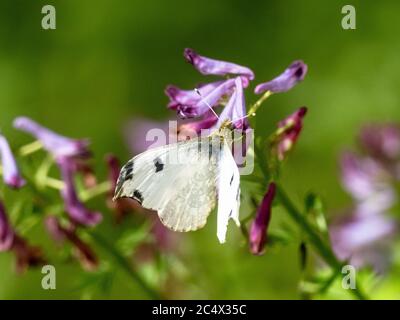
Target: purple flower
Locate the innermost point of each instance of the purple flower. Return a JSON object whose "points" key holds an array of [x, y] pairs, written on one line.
{"points": [[208, 66], [382, 141], [6, 232], [188, 105], [363, 239], [288, 132], [258, 230], [368, 182], [54, 229], [235, 110], [180, 98], [57, 145], [26, 255], [366, 235], [195, 128], [74, 207], [11, 174], [285, 81]]}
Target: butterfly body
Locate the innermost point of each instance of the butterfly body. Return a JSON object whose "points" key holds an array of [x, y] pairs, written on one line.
{"points": [[182, 182]]}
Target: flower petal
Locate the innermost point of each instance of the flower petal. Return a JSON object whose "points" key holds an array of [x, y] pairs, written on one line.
{"points": [[54, 143], [179, 97], [288, 132], [208, 66], [235, 109], [368, 182], [258, 230], [382, 141], [198, 107], [6, 231], [74, 207], [363, 239], [11, 174], [285, 81]]}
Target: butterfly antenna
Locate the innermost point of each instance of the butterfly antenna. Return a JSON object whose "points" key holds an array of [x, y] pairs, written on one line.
{"points": [[208, 105]]}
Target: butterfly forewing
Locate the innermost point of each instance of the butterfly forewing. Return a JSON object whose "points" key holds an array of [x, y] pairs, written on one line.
{"points": [[176, 180]]}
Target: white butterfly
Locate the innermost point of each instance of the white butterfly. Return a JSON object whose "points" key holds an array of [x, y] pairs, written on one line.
{"points": [[182, 182]]}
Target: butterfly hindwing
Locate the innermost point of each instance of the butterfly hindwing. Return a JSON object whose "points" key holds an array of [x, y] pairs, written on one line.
{"points": [[228, 192]]}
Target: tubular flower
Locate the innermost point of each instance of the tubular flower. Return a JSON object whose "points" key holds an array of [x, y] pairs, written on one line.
{"points": [[209, 66], [73, 206], [57, 145], [195, 103], [368, 183], [363, 239], [6, 232], [258, 230], [11, 174], [288, 132], [381, 141], [235, 109], [285, 81], [180, 98], [198, 107]]}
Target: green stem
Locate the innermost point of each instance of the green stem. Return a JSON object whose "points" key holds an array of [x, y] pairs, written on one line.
{"points": [[125, 265], [253, 109], [95, 191], [30, 148], [319, 245]]}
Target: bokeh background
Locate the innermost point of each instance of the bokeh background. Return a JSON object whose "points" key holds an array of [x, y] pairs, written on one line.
{"points": [[108, 62]]}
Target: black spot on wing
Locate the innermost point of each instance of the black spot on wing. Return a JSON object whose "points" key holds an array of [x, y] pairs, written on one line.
{"points": [[230, 183], [137, 195], [158, 164], [128, 170], [129, 165]]}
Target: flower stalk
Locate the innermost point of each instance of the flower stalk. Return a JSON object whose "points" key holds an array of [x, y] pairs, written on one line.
{"points": [[319, 245]]}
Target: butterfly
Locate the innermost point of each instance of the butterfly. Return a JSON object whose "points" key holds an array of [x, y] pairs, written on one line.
{"points": [[184, 181]]}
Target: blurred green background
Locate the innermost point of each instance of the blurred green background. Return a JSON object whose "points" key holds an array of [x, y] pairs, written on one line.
{"points": [[109, 62]]}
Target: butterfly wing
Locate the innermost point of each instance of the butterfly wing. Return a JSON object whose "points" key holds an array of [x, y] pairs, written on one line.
{"points": [[228, 192], [177, 180]]}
